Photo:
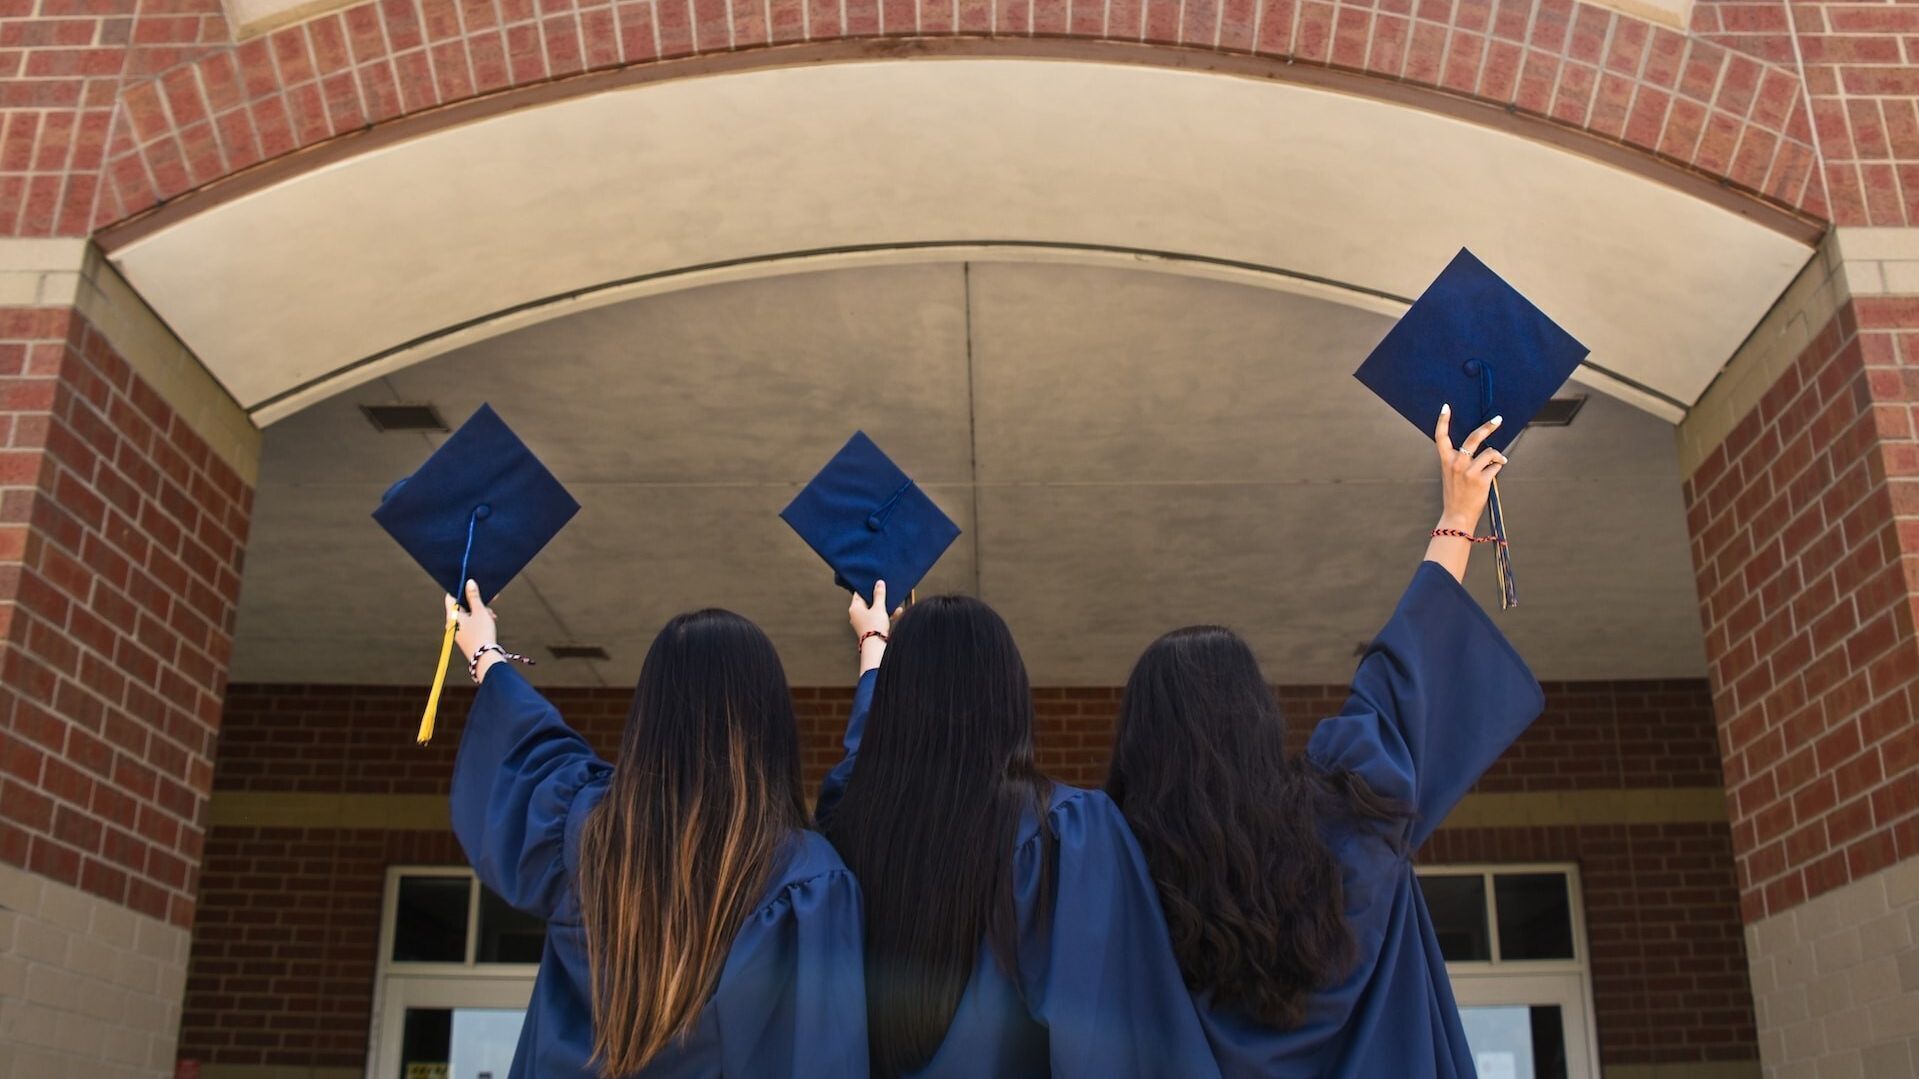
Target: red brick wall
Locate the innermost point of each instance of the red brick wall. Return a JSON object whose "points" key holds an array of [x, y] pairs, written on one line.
{"points": [[112, 106], [287, 941], [1805, 527], [120, 542], [266, 987], [1861, 76], [355, 738], [1670, 983], [63, 65]]}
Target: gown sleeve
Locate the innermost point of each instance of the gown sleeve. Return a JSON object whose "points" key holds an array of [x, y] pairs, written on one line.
{"points": [[835, 783], [522, 783], [793, 1001], [1439, 695], [1107, 986]]}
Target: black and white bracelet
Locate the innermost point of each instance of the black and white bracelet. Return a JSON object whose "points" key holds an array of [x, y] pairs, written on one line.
{"points": [[473, 665]]}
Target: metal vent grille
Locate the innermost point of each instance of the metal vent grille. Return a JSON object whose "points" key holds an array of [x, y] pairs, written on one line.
{"points": [[404, 417], [577, 651], [1559, 412]]}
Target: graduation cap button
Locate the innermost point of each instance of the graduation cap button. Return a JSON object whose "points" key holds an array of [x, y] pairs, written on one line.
{"points": [[876, 521]]}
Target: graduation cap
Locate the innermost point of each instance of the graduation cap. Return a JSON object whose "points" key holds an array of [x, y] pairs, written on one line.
{"points": [[479, 509], [870, 521], [1472, 341]]}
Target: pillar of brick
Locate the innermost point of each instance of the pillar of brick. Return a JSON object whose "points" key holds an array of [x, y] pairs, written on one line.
{"points": [[1803, 505], [126, 480]]}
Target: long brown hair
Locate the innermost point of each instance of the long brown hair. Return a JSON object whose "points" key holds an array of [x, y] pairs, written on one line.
{"points": [[930, 817], [1234, 830], [704, 795]]}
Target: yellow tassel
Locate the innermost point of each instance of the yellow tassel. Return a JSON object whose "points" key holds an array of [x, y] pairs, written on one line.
{"points": [[439, 680]]}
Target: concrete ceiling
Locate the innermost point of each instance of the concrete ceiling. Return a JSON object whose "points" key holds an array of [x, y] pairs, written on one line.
{"points": [[363, 266], [1126, 450]]}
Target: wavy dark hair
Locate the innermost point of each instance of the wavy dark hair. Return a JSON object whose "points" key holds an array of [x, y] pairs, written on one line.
{"points": [[1232, 828], [930, 815], [704, 795]]}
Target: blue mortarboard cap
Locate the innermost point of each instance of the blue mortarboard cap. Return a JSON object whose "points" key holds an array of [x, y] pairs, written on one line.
{"points": [[1473, 342], [870, 522], [479, 509]]}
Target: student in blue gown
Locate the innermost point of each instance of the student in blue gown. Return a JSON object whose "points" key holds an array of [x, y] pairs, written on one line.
{"points": [[1011, 927], [695, 927], [1288, 884]]}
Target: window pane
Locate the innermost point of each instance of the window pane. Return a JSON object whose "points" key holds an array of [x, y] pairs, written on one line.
{"points": [[483, 1042], [429, 925], [1549, 1043], [1535, 916], [1516, 1041], [425, 1043], [1458, 907], [506, 935]]}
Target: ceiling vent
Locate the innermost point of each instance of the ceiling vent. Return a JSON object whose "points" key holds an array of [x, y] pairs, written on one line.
{"points": [[404, 417], [1559, 412], [577, 651]]}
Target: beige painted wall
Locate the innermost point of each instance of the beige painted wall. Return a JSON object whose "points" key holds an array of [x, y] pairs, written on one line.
{"points": [[87, 987], [1836, 981]]}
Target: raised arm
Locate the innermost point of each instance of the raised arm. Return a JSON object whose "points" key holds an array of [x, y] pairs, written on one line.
{"points": [[1465, 479], [521, 781], [870, 625], [1440, 693]]}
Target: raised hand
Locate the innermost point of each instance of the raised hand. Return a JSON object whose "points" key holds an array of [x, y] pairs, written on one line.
{"points": [[1465, 474], [870, 624], [478, 625]]}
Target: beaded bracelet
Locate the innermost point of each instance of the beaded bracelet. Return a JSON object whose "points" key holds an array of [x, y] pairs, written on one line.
{"points": [[473, 665], [1468, 536], [870, 633]]}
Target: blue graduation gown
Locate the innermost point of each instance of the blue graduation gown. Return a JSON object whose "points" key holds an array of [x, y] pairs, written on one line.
{"points": [[791, 999], [1438, 697], [1099, 991]]}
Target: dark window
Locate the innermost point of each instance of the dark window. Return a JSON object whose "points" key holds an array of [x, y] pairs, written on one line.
{"points": [[1458, 908], [426, 1043], [1535, 916], [1549, 1039], [506, 935], [429, 925]]}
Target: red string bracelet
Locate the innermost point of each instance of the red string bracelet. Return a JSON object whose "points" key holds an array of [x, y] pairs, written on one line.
{"points": [[871, 633], [1468, 536]]}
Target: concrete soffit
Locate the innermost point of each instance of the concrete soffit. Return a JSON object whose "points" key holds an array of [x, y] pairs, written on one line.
{"points": [[518, 217]]}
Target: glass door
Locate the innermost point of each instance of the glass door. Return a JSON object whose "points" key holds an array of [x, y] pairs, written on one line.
{"points": [[1525, 1027], [456, 971], [448, 1028], [1514, 939]]}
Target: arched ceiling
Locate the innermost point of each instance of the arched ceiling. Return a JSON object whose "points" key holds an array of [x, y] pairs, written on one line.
{"points": [[363, 266], [1126, 450]]}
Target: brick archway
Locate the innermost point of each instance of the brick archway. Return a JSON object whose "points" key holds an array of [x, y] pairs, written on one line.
{"points": [[182, 114]]}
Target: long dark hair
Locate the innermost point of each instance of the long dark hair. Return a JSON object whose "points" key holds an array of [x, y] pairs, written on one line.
{"points": [[1232, 828], [930, 816], [705, 792]]}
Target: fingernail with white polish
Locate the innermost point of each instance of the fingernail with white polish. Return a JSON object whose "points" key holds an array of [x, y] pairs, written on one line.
{"points": [[1495, 421], [1444, 409]]}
